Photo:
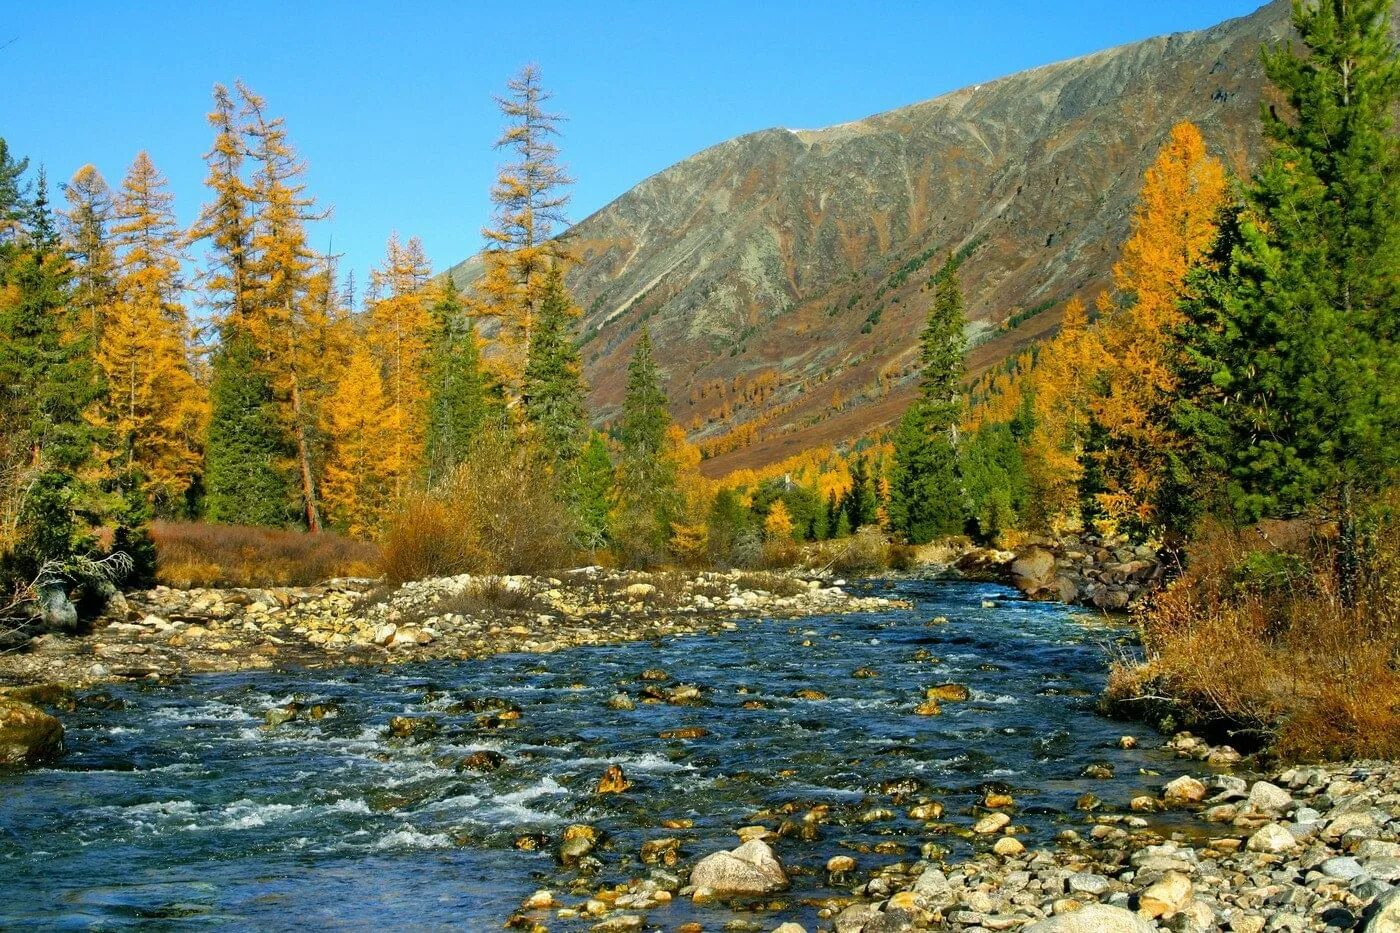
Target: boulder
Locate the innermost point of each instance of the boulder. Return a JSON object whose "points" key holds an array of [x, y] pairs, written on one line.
{"points": [[1167, 897], [1272, 839], [752, 868], [1096, 918], [28, 735], [1383, 916], [1183, 791], [1269, 798], [1033, 570]]}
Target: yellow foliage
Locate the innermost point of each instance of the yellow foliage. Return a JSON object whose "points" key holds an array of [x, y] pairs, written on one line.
{"points": [[153, 407], [778, 525], [399, 331], [362, 465], [1173, 228]]}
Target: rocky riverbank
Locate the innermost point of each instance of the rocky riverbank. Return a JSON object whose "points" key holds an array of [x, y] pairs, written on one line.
{"points": [[1303, 849], [164, 632], [1108, 573]]}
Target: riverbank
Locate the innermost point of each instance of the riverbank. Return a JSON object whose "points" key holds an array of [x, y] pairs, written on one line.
{"points": [[163, 633]]}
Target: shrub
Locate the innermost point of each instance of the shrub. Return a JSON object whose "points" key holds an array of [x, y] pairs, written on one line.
{"points": [[1258, 637], [501, 511], [190, 554]]}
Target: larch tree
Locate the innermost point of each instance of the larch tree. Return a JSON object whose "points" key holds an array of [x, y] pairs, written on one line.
{"points": [[1291, 377], [152, 408], [457, 396], [87, 238], [400, 329], [289, 318], [1060, 393], [360, 474], [530, 197], [245, 479], [926, 498], [1174, 225]]}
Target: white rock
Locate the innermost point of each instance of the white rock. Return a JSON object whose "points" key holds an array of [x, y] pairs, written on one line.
{"points": [[1269, 798], [1272, 838], [752, 868], [1096, 918]]}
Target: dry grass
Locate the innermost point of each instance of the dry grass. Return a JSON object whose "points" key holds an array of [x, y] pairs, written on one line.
{"points": [[1256, 637], [500, 512], [863, 553], [191, 554]]}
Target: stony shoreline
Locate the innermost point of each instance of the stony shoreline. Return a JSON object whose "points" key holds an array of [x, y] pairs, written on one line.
{"points": [[1302, 849], [163, 633]]}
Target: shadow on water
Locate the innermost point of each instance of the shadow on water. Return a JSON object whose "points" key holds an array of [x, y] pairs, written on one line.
{"points": [[177, 806]]}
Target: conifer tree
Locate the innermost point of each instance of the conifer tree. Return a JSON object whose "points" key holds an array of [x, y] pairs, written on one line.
{"points": [[244, 432], [1173, 228], [553, 391], [45, 368], [926, 499], [457, 398], [860, 504], [88, 241], [245, 479], [646, 478], [530, 198], [591, 490], [288, 319], [1291, 377], [152, 408], [359, 479], [399, 332]]}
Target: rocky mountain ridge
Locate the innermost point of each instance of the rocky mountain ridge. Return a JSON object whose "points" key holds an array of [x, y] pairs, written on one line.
{"points": [[783, 274]]}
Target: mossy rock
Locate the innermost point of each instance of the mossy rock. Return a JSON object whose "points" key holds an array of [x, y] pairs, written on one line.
{"points": [[28, 735]]}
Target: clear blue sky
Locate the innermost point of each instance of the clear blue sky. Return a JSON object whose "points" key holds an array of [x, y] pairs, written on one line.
{"points": [[390, 104]]}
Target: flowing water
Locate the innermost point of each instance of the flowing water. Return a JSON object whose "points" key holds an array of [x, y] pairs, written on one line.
{"points": [[174, 804]]}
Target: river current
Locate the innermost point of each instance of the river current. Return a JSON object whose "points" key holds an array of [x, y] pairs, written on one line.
{"points": [[175, 804]]}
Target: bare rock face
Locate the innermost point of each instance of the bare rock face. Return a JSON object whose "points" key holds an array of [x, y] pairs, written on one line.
{"points": [[750, 869], [796, 261], [28, 735]]}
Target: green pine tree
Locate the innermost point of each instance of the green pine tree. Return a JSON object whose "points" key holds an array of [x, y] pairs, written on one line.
{"points": [[646, 477], [553, 391], [1290, 375], [860, 504], [457, 397], [993, 472], [590, 490], [926, 498], [245, 476], [47, 443]]}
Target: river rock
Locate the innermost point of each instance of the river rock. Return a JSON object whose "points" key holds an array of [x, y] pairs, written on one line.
{"points": [[1167, 897], [1096, 918], [948, 693], [752, 868], [1184, 791], [28, 735], [613, 781], [1384, 915], [991, 823], [1033, 570], [1269, 798], [1272, 839]]}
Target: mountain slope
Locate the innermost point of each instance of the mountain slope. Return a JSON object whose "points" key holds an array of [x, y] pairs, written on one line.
{"points": [[782, 274]]}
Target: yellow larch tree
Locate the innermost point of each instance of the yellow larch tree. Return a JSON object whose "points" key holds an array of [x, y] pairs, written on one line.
{"points": [[153, 406], [399, 332], [529, 197], [290, 318], [1061, 387], [361, 467], [1173, 228]]}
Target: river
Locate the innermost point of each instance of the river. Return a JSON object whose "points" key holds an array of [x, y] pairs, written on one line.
{"points": [[176, 804]]}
